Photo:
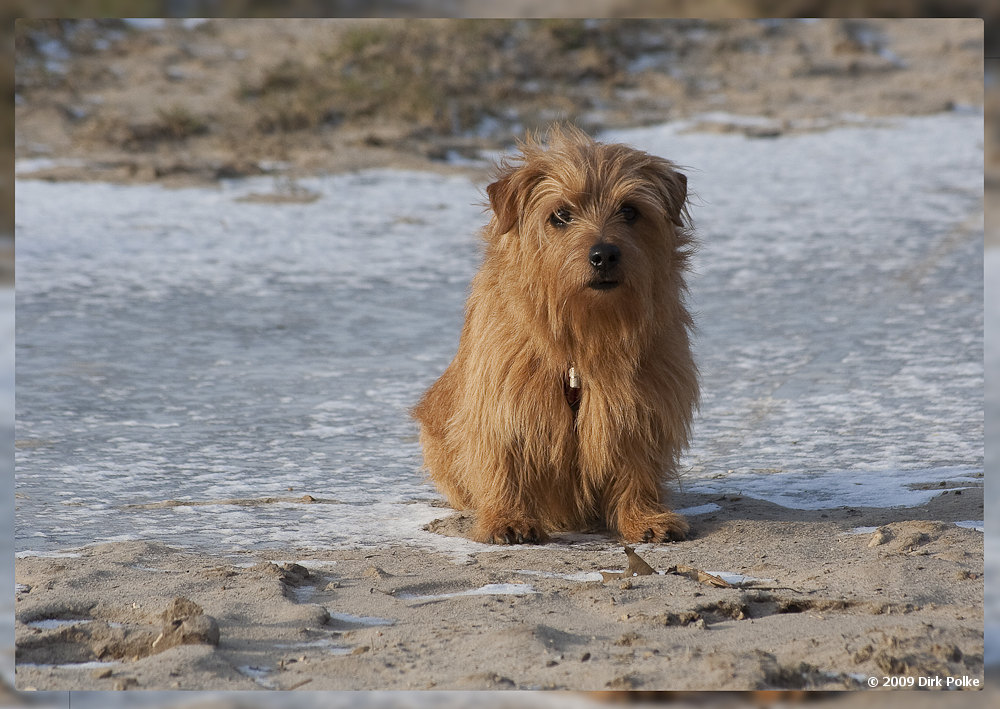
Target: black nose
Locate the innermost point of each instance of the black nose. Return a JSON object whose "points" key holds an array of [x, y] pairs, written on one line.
{"points": [[604, 257]]}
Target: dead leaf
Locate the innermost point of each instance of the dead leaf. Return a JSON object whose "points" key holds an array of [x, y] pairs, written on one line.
{"points": [[636, 566], [699, 576]]}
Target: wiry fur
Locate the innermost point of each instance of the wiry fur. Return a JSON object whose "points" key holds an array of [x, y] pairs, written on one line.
{"points": [[498, 434]]}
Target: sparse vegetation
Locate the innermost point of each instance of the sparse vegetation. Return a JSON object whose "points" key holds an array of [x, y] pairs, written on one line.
{"points": [[230, 96], [444, 77], [178, 123]]}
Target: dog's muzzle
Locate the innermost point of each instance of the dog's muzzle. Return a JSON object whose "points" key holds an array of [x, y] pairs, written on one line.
{"points": [[604, 258]]}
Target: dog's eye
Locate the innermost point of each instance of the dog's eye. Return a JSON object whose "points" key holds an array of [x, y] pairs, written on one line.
{"points": [[560, 218], [629, 213]]}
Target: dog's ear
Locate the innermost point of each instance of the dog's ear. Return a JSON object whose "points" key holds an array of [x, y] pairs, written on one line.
{"points": [[509, 194], [673, 190], [504, 201]]}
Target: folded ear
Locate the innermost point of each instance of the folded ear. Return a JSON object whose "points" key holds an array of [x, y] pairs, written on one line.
{"points": [[672, 186], [509, 195], [504, 202]]}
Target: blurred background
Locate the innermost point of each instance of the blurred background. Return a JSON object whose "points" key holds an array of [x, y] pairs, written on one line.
{"points": [[183, 101]]}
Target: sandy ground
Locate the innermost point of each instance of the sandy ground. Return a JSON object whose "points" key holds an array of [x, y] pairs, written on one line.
{"points": [[825, 609]]}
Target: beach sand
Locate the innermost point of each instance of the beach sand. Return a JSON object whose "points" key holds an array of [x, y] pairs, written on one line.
{"points": [[822, 605]]}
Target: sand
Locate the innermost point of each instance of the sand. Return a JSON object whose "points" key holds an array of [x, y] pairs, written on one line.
{"points": [[816, 604]]}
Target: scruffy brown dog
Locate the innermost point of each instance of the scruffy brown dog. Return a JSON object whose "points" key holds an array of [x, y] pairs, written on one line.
{"points": [[571, 395]]}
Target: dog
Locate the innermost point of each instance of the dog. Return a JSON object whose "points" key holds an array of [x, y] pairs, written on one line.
{"points": [[570, 398]]}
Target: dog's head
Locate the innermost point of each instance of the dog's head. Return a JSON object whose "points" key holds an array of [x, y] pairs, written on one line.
{"points": [[589, 221]]}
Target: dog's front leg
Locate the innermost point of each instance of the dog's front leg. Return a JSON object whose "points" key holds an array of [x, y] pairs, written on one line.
{"points": [[502, 510], [634, 507], [502, 527]]}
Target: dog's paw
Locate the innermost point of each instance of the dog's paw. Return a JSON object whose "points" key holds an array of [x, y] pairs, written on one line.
{"points": [[662, 527], [513, 532]]}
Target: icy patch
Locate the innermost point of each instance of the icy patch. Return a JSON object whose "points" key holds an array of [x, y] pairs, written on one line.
{"points": [[734, 579], [578, 576], [34, 164], [490, 589], [454, 157], [730, 119], [93, 665], [302, 594], [47, 554], [851, 488], [859, 530], [257, 674], [977, 525], [699, 509], [205, 345], [326, 644], [307, 563], [159, 23], [359, 619], [55, 623]]}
